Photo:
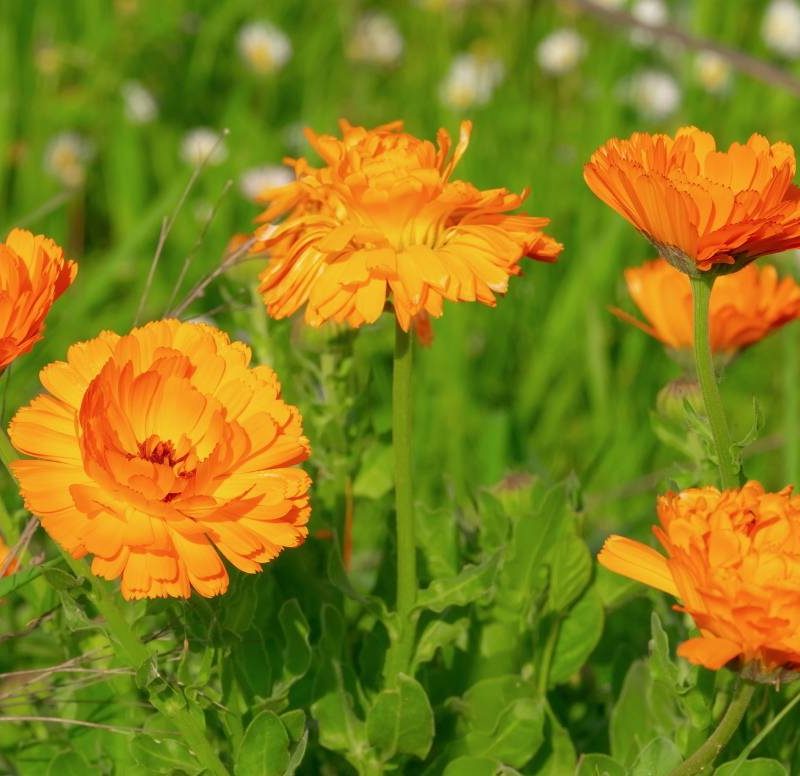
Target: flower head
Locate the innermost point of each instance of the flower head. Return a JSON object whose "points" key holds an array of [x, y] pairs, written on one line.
{"points": [[733, 560], [33, 274], [382, 218], [66, 157], [376, 40], [203, 146], [263, 47], [745, 307], [654, 94], [561, 51], [471, 81], [713, 72], [703, 209], [781, 28], [140, 105], [155, 450]]}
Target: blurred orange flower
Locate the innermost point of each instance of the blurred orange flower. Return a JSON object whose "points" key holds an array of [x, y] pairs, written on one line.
{"points": [[4, 551], [745, 307], [33, 274], [382, 218], [733, 559], [155, 448], [700, 207]]}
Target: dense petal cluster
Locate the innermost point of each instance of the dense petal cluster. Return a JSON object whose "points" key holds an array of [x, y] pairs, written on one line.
{"points": [[383, 218], [702, 208], [153, 449], [733, 560], [745, 306], [33, 274]]}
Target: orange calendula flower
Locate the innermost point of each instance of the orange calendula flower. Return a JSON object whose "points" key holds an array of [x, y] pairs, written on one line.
{"points": [[733, 559], [382, 218], [157, 449], [703, 209], [745, 307], [33, 274]]}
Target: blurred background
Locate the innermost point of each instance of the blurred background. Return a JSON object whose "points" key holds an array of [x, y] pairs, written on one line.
{"points": [[106, 108]]}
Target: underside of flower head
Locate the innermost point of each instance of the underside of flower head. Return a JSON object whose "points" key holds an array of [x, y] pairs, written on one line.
{"points": [[156, 450], [702, 208], [733, 560], [383, 221]]}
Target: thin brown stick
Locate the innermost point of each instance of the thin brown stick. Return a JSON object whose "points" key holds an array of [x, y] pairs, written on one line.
{"points": [[19, 548], [80, 722], [745, 63]]}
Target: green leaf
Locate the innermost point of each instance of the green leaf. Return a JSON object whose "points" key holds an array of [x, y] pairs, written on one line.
{"points": [[375, 478], [400, 720], [295, 723], [264, 750], [561, 757], [437, 635], [661, 664], [599, 765], [68, 764], [296, 650], [760, 766], [163, 755], [631, 724], [435, 531], [297, 755], [578, 635], [658, 758], [21, 578], [571, 570], [473, 766], [472, 583], [517, 736]]}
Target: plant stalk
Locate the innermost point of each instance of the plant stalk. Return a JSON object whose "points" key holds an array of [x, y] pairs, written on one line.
{"points": [[399, 656], [132, 651], [704, 363], [702, 760]]}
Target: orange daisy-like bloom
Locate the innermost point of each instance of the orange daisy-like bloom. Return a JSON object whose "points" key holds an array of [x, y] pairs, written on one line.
{"points": [[33, 274], [703, 209], [156, 449], [383, 218], [745, 307], [733, 559]]}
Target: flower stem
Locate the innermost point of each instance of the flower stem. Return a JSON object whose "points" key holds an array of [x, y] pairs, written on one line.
{"points": [[171, 702], [728, 469], [399, 657], [702, 760]]}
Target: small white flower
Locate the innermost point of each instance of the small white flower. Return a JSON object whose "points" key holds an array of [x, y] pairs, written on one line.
{"points": [[376, 40], [66, 157], [655, 94], [140, 105], [257, 180], [203, 145], [470, 81], [781, 28], [713, 72], [264, 47], [560, 51], [652, 13], [613, 4]]}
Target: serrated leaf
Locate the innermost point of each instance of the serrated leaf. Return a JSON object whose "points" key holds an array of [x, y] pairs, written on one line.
{"points": [[437, 635], [599, 765], [264, 750], [469, 585], [578, 635], [759, 766], [658, 758], [400, 721], [164, 755]]}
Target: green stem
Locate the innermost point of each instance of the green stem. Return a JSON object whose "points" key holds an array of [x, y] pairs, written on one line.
{"points": [[702, 760], [768, 728], [728, 469], [399, 657], [132, 651]]}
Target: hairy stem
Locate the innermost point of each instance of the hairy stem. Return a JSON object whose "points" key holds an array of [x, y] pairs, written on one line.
{"points": [[704, 363]]}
